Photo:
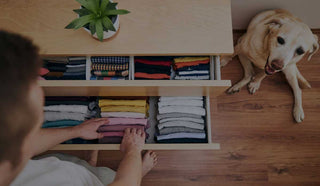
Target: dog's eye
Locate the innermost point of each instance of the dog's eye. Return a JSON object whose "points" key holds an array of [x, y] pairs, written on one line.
{"points": [[300, 51], [280, 40]]}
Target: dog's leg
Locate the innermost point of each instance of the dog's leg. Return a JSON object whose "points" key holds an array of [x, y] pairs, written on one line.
{"points": [[302, 81], [224, 60], [254, 85], [248, 73], [291, 75]]}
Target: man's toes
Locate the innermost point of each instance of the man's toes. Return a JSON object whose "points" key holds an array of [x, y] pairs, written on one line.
{"points": [[133, 130]]}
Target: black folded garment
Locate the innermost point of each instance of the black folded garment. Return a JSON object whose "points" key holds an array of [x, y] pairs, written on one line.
{"points": [[73, 77], [152, 69], [155, 58], [197, 67]]}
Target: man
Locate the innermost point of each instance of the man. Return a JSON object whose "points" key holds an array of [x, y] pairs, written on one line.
{"points": [[21, 136]]}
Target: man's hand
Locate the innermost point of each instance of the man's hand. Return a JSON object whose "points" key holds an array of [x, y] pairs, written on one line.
{"points": [[133, 140], [88, 129]]}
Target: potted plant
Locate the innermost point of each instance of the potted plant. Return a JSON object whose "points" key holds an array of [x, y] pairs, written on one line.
{"points": [[98, 17]]}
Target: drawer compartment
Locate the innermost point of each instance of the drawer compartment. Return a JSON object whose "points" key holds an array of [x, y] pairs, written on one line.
{"points": [[212, 87], [151, 144]]}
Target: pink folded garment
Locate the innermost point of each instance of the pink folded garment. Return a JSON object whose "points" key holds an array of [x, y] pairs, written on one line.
{"points": [[106, 134], [110, 128], [116, 134], [127, 121]]}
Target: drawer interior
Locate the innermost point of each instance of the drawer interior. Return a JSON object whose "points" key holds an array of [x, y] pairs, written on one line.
{"points": [[150, 142], [214, 71]]}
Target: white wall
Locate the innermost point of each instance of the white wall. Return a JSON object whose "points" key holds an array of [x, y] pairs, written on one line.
{"points": [[244, 10]]}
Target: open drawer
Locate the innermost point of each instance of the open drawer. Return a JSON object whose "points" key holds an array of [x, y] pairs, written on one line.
{"points": [[150, 144], [213, 87]]}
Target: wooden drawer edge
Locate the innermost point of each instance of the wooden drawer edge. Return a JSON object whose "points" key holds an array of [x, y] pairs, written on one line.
{"points": [[189, 146]]}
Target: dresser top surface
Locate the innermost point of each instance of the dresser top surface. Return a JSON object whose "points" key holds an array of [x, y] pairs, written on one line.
{"points": [[165, 27]]}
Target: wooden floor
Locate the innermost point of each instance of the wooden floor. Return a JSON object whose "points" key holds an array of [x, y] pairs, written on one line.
{"points": [[260, 142]]}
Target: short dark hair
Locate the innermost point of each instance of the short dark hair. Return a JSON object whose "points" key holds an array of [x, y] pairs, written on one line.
{"points": [[19, 67]]}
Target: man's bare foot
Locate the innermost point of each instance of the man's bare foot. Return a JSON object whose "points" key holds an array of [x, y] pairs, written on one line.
{"points": [[91, 156], [133, 140], [149, 161]]}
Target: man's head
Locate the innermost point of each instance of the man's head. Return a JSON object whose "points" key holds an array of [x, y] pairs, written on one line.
{"points": [[20, 96]]}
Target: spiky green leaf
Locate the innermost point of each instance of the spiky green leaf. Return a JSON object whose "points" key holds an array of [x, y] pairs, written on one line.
{"points": [[82, 11], [117, 12], [80, 22], [88, 4], [107, 23], [92, 27], [112, 6], [104, 4], [99, 29]]}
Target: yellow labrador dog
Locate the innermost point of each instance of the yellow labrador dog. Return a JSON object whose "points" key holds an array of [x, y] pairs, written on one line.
{"points": [[275, 41]]}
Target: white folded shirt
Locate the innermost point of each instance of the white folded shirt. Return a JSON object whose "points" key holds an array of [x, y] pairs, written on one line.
{"points": [[182, 135]]}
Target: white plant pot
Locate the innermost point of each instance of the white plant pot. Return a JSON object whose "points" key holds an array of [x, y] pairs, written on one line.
{"points": [[108, 34]]}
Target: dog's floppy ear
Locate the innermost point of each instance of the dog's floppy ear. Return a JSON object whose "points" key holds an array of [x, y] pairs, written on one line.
{"points": [[315, 47], [274, 23]]}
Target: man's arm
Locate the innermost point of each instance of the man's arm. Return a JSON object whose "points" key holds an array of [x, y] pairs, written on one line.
{"points": [[45, 139]]}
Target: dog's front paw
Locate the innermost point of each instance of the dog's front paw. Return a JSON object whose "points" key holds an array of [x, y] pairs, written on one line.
{"points": [[234, 89], [298, 114], [253, 87]]}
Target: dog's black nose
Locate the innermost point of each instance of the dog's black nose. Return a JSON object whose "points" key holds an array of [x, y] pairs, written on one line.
{"points": [[277, 64]]}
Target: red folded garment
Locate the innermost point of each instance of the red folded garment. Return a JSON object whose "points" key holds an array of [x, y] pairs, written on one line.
{"points": [[162, 63], [194, 63], [151, 76]]}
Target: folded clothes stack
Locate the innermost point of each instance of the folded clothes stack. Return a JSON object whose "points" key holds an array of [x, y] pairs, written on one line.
{"points": [[65, 68], [181, 120], [109, 68], [69, 111], [153, 67], [122, 114], [192, 68]]}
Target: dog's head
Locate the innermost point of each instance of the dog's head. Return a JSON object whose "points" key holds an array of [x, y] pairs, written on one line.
{"points": [[287, 42]]}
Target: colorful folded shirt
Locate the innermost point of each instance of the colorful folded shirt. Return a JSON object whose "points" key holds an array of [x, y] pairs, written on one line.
{"points": [[183, 140], [170, 130], [194, 72], [194, 63], [149, 62], [109, 128], [122, 115], [193, 77], [189, 124], [110, 59], [112, 102], [127, 121], [183, 109], [110, 73], [61, 123], [151, 76], [190, 102], [111, 67], [196, 67], [190, 59], [152, 69], [196, 120], [182, 135], [177, 115], [124, 109], [67, 108]]}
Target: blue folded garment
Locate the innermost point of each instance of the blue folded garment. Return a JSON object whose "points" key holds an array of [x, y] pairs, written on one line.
{"points": [[61, 123]]}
